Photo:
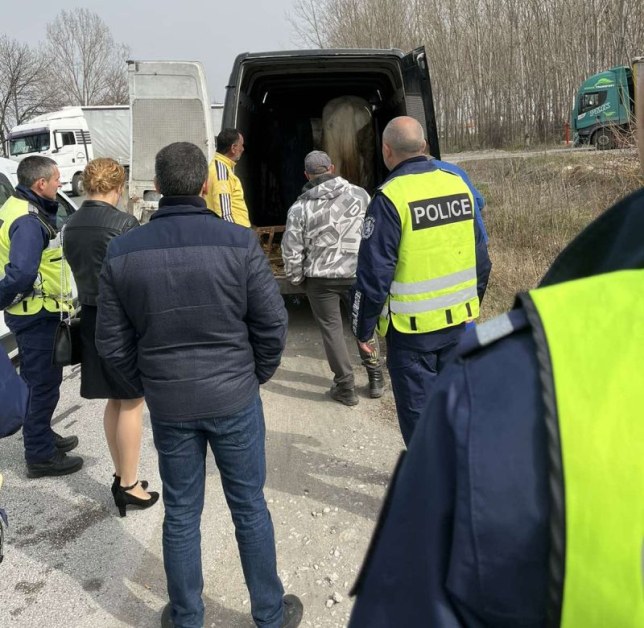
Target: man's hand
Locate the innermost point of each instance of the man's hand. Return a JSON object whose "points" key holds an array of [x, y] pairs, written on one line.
{"points": [[366, 347]]}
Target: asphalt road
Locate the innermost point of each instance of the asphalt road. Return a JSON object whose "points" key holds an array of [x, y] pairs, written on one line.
{"points": [[70, 560]]}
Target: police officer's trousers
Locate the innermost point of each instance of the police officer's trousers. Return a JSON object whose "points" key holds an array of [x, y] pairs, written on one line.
{"points": [[35, 339], [413, 374]]}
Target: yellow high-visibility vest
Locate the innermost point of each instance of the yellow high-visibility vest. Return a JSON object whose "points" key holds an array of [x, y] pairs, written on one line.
{"points": [[590, 339], [53, 273], [434, 283]]}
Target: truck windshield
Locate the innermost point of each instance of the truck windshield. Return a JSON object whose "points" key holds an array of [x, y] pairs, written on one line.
{"points": [[36, 143]]}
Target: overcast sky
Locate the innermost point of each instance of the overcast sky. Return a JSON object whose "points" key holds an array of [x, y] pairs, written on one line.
{"points": [[210, 31]]}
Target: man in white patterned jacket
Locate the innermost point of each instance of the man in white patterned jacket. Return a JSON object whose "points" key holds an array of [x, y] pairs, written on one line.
{"points": [[320, 244]]}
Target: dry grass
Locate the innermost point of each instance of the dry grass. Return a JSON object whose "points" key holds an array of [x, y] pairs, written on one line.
{"points": [[536, 205]]}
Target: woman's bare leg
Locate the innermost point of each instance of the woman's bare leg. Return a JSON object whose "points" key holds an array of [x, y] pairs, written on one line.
{"points": [[110, 422], [128, 439]]}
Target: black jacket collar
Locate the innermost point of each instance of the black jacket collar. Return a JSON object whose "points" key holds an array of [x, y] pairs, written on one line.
{"points": [[91, 204], [174, 205]]}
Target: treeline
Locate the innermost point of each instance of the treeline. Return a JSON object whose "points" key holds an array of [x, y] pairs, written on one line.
{"points": [[504, 72], [78, 63]]}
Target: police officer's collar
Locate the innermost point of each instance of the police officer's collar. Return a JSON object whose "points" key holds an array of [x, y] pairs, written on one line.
{"points": [[424, 165], [48, 206]]}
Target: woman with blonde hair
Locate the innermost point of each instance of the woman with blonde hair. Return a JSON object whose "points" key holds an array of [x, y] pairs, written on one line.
{"points": [[85, 239]]}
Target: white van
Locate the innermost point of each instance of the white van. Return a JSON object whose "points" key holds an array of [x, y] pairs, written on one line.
{"points": [[8, 181]]}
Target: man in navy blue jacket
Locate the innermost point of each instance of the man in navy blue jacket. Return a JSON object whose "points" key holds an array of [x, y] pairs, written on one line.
{"points": [[189, 311]]}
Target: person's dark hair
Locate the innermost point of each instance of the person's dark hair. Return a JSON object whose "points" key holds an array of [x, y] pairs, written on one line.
{"points": [[30, 169], [226, 139], [181, 169]]}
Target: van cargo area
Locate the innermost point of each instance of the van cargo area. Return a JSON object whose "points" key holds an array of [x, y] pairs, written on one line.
{"points": [[285, 104], [279, 103]]}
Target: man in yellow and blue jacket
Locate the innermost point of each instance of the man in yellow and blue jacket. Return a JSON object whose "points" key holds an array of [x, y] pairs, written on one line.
{"points": [[225, 195], [422, 269]]}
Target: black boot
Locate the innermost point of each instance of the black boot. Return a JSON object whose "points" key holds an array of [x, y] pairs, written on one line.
{"points": [[65, 443], [60, 464], [293, 611], [376, 383], [347, 396], [166, 617]]}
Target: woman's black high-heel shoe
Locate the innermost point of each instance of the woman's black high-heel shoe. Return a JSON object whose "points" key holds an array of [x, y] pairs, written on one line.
{"points": [[117, 483], [123, 499]]}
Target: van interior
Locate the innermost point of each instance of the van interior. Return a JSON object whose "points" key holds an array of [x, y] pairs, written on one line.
{"points": [[279, 113]]}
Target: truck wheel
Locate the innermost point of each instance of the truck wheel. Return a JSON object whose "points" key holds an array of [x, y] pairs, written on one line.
{"points": [[77, 184], [604, 139]]}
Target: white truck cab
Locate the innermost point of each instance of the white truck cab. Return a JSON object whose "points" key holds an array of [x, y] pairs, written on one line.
{"points": [[72, 137], [63, 136]]}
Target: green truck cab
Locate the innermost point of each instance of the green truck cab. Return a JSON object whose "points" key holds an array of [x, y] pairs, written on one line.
{"points": [[603, 112]]}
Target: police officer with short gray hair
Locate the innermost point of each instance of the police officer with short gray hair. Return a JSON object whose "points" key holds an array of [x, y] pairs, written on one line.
{"points": [[423, 267], [35, 287]]}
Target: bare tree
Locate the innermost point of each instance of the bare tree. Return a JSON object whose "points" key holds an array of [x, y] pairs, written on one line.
{"points": [[88, 64], [306, 21], [23, 86]]}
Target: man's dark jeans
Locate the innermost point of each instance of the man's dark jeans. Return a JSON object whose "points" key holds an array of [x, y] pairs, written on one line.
{"points": [[35, 339], [237, 442]]}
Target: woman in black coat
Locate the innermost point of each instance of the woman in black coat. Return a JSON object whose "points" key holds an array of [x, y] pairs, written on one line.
{"points": [[85, 239]]}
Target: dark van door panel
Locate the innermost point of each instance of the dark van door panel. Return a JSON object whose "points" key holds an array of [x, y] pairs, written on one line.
{"points": [[418, 96]]}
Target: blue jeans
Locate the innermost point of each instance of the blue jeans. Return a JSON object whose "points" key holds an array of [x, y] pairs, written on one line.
{"points": [[35, 340], [413, 375], [237, 442]]}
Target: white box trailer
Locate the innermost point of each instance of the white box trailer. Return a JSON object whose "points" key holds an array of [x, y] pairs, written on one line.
{"points": [[169, 103]]}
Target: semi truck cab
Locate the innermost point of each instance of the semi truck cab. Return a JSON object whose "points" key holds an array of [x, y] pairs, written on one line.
{"points": [[603, 111]]}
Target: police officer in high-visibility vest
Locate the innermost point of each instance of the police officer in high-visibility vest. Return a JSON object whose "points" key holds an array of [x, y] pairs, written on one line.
{"points": [[35, 286], [520, 501], [422, 270]]}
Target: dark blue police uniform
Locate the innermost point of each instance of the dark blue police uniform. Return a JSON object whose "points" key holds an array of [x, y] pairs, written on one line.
{"points": [[463, 537], [413, 360], [35, 333]]}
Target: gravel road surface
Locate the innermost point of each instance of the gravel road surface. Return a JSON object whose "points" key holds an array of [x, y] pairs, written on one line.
{"points": [[70, 560]]}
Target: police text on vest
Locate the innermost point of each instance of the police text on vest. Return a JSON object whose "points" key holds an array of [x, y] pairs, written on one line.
{"points": [[435, 212]]}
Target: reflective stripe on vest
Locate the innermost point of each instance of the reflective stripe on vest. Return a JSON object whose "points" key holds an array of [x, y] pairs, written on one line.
{"points": [[46, 291], [434, 282], [590, 339]]}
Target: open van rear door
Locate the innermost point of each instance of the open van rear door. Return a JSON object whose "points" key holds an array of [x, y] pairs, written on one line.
{"points": [[168, 103], [419, 97]]}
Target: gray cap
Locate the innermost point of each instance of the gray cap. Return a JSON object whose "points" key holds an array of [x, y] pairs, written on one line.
{"points": [[317, 162]]}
